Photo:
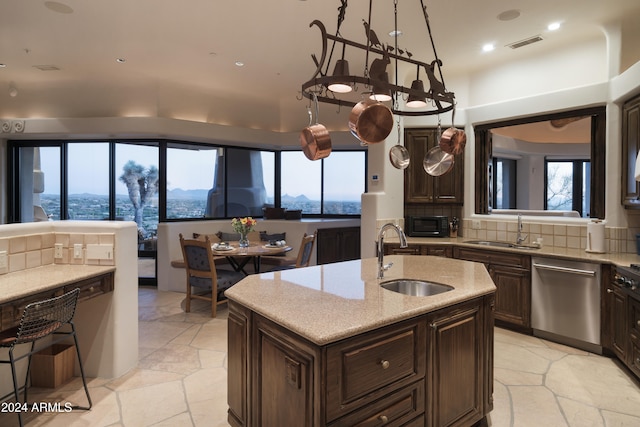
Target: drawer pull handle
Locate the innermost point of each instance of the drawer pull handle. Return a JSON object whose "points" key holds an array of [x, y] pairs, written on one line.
{"points": [[383, 419], [385, 364]]}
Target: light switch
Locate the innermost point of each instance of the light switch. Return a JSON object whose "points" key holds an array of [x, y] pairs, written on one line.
{"points": [[77, 250], [4, 263]]}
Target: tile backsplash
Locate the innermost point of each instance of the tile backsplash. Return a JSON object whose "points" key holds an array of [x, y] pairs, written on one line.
{"points": [[617, 239], [35, 250]]}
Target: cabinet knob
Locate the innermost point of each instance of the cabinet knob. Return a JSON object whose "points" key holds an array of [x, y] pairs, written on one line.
{"points": [[433, 326], [638, 322], [609, 290], [385, 364], [383, 419]]}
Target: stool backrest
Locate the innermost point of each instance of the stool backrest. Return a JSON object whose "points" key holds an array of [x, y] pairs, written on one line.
{"points": [[42, 318]]}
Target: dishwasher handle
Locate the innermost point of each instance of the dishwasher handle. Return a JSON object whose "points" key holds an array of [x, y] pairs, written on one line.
{"points": [[565, 269]]}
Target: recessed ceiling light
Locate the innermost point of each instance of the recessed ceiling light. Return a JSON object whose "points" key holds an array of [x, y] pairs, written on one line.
{"points": [[239, 63], [509, 15], [395, 33], [488, 47], [3, 65], [58, 7], [553, 26], [121, 60]]}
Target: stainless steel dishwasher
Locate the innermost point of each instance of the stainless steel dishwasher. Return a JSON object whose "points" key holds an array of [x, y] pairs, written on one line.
{"points": [[565, 302]]}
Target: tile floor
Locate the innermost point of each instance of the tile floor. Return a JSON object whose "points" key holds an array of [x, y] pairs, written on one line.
{"points": [[181, 379]]}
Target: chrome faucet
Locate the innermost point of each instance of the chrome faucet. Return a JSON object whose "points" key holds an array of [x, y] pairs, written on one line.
{"points": [[520, 239], [403, 244]]}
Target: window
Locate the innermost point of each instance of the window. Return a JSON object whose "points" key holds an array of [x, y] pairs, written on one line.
{"points": [[566, 186], [191, 176], [137, 181], [331, 186], [504, 183], [88, 181], [344, 183]]}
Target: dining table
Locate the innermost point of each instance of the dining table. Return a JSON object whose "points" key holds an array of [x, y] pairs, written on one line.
{"points": [[238, 257]]}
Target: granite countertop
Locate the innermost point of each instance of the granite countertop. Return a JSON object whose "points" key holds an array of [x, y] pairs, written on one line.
{"points": [[330, 302], [23, 283], [621, 259]]}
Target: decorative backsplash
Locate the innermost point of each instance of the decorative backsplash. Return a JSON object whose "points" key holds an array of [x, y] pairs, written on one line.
{"points": [[35, 250], [617, 239]]}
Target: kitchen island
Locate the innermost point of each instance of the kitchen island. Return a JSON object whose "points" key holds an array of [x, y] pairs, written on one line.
{"points": [[327, 345]]}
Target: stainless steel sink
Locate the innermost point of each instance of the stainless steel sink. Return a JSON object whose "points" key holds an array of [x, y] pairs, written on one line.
{"points": [[498, 244], [416, 288]]}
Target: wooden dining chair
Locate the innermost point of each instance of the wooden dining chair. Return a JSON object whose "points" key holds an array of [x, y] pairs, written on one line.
{"points": [[304, 254], [52, 317], [202, 274]]}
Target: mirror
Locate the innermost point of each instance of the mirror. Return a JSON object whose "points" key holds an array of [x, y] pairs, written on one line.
{"points": [[545, 165]]}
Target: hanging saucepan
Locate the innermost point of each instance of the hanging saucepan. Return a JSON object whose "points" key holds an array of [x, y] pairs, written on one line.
{"points": [[453, 140], [398, 154], [437, 162], [370, 121], [315, 139]]}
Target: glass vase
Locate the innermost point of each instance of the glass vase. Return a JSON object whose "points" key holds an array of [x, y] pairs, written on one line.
{"points": [[243, 242]]}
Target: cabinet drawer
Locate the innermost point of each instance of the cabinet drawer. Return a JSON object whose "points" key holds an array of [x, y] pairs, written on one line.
{"points": [[634, 358], [365, 368], [395, 409], [92, 287], [493, 257], [634, 318], [11, 312]]}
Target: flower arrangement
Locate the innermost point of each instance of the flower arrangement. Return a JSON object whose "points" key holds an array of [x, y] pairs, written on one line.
{"points": [[243, 225]]}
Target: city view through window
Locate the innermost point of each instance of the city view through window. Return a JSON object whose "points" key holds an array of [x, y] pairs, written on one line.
{"points": [[332, 188]]}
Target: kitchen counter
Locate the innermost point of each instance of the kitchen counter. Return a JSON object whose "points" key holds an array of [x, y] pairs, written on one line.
{"points": [[23, 283], [546, 251], [334, 301]]}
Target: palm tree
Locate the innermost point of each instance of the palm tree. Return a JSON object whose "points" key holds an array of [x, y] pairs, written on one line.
{"points": [[142, 185]]}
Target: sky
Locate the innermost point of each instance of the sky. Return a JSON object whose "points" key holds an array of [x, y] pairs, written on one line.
{"points": [[344, 173]]}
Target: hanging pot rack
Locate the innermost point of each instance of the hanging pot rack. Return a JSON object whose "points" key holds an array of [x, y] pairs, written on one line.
{"points": [[439, 99]]}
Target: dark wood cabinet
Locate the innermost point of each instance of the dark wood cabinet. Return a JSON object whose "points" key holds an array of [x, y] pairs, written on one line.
{"points": [[630, 148], [511, 273], [432, 370], [420, 187], [337, 244]]}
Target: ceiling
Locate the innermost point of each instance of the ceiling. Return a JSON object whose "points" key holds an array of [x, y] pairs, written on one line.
{"points": [[179, 57]]}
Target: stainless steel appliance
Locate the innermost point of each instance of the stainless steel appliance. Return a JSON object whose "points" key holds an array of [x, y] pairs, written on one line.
{"points": [[565, 302], [427, 226]]}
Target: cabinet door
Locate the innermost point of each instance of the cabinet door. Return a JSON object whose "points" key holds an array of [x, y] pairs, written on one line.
{"points": [[455, 366], [630, 147], [420, 187], [417, 183], [283, 373], [337, 244], [633, 323], [618, 327], [513, 294], [350, 243], [442, 251]]}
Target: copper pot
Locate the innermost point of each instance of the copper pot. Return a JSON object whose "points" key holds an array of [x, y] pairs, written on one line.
{"points": [[453, 141], [315, 139], [371, 121]]}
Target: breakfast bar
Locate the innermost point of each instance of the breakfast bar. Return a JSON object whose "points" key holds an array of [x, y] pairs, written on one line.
{"points": [[328, 345]]}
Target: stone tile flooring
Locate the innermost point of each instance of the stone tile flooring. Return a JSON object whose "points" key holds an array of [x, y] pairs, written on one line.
{"points": [[181, 379]]}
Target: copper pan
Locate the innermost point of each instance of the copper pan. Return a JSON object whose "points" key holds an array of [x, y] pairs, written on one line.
{"points": [[437, 162], [452, 140], [370, 121], [315, 139]]}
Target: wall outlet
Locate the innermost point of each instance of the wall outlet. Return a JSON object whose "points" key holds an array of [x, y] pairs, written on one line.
{"points": [[77, 251], [476, 224], [4, 261], [57, 251]]}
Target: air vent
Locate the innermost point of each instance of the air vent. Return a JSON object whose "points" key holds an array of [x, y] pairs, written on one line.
{"points": [[46, 67], [525, 42]]}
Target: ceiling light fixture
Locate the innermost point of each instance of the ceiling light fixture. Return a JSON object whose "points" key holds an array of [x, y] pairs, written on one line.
{"points": [[121, 60], [488, 47], [13, 90], [374, 79], [239, 64], [553, 26]]}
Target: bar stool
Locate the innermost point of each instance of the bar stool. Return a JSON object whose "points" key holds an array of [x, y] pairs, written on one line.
{"points": [[39, 320]]}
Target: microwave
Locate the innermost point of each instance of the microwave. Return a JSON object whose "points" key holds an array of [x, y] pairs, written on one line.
{"points": [[427, 226]]}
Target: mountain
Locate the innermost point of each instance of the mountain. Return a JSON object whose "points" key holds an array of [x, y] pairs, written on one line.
{"points": [[287, 198], [180, 194]]}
